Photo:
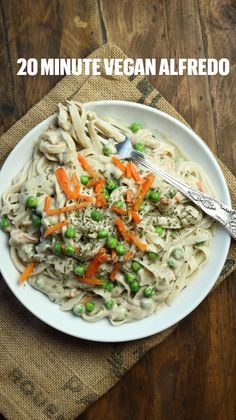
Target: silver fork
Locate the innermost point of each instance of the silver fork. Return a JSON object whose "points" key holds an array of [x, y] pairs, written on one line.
{"points": [[214, 208]]}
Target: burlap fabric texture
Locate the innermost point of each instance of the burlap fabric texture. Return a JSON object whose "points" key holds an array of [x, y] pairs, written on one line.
{"points": [[44, 373]]}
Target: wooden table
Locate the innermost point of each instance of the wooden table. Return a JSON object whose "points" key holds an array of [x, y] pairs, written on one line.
{"points": [[191, 375]]}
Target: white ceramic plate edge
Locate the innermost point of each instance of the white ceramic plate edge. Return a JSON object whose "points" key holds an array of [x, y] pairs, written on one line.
{"points": [[141, 334]]}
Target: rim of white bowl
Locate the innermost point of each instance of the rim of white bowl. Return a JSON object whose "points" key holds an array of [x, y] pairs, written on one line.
{"points": [[201, 296]]}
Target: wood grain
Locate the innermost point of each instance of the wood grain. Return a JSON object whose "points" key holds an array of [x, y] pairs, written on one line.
{"points": [[8, 111], [44, 29], [166, 29], [192, 374], [218, 20]]}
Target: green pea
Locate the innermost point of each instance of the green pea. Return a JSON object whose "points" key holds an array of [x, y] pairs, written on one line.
{"points": [[108, 286], [111, 184], [152, 256], [57, 248], [37, 221], [146, 303], [140, 147], [70, 232], [172, 192], [96, 215], [136, 266], [69, 250], [178, 253], [120, 250], [79, 270], [134, 286], [135, 126], [90, 306], [155, 196], [142, 206], [110, 304], [148, 292], [112, 242], [130, 277], [148, 194], [102, 233], [119, 204], [32, 202], [106, 194], [84, 179], [108, 149], [104, 278], [78, 309], [4, 224], [171, 263], [160, 230]]}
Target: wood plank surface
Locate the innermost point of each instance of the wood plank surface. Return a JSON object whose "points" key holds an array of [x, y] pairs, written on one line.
{"points": [[170, 29], [44, 29], [192, 374], [218, 21], [8, 111]]}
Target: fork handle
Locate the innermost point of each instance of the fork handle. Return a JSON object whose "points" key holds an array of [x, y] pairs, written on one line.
{"points": [[214, 208]]}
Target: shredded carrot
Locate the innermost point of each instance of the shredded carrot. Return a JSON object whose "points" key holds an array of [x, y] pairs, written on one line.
{"points": [[135, 175], [119, 164], [67, 209], [170, 165], [118, 210], [92, 183], [47, 203], [85, 299], [129, 236], [86, 198], [75, 183], [113, 255], [143, 191], [86, 166], [141, 181], [88, 297], [102, 250], [200, 185], [27, 272], [148, 175], [99, 186], [116, 268], [93, 266], [140, 245], [135, 216], [164, 200], [64, 182], [129, 196], [101, 200], [55, 227], [121, 227], [129, 173], [89, 280], [128, 255], [76, 248]]}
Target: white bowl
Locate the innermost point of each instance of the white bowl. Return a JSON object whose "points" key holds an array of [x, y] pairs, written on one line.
{"points": [[190, 297]]}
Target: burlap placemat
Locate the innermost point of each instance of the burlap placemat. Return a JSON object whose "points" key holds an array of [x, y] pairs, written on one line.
{"points": [[44, 373]]}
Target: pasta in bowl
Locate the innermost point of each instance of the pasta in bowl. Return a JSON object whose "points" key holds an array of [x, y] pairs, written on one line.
{"points": [[101, 237]]}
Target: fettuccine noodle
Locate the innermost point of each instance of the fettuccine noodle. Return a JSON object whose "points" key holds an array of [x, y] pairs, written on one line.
{"points": [[109, 252]]}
